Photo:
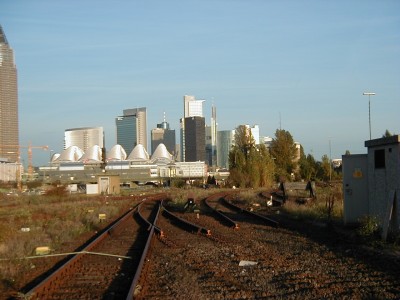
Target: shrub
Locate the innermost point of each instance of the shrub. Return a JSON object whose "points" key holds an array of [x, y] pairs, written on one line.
{"points": [[57, 191], [369, 226]]}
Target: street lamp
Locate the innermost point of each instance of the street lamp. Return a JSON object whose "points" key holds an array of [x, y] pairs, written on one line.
{"points": [[369, 94]]}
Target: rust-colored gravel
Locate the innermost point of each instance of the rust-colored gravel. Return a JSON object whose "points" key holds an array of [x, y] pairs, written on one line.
{"points": [[295, 261]]}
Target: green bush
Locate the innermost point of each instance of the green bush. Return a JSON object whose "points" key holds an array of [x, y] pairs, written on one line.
{"points": [[369, 226]]}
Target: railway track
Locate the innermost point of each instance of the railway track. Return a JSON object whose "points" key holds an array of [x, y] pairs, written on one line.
{"points": [[106, 268], [232, 214], [249, 259], [195, 232]]}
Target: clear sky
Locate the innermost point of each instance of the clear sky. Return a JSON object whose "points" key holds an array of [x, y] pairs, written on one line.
{"points": [[297, 65]]}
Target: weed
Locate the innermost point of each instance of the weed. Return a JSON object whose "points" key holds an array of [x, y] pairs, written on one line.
{"points": [[369, 226], [328, 207]]}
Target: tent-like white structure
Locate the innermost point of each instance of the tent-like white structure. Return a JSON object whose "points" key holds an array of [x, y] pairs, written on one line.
{"points": [[139, 153], [116, 153], [161, 154], [93, 154], [71, 154]]}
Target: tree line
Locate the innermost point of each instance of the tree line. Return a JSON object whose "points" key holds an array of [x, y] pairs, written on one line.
{"points": [[254, 166]]}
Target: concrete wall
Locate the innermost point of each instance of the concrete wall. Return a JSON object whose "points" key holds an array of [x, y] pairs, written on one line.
{"points": [[384, 177], [109, 185]]}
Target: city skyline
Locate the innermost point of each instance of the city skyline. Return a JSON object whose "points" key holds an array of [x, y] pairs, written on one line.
{"points": [[302, 67]]}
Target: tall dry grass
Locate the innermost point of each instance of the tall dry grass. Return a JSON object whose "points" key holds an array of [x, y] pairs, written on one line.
{"points": [[53, 221], [327, 207]]}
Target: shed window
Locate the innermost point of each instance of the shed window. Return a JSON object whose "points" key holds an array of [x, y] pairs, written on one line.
{"points": [[380, 159]]}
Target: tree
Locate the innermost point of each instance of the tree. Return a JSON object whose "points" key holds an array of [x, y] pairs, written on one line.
{"points": [[308, 166], [283, 150], [387, 134], [249, 165], [325, 168]]}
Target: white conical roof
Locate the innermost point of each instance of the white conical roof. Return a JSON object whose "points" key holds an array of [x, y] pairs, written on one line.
{"points": [[161, 152], [73, 153], [55, 157], [116, 153], [93, 154], [138, 153]]}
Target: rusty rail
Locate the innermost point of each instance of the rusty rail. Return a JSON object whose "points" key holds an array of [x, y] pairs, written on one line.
{"points": [[222, 216], [192, 227], [51, 283], [266, 220], [156, 228], [152, 229]]}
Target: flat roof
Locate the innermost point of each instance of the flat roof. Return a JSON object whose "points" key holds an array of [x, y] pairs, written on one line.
{"points": [[394, 139]]}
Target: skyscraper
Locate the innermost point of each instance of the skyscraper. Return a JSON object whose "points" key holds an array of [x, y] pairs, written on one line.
{"points": [[195, 137], [211, 141], [9, 135], [132, 128], [225, 142], [84, 138], [191, 108]]}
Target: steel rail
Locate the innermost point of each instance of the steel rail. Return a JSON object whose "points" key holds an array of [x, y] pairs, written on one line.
{"points": [[156, 228], [49, 284], [183, 222], [152, 228], [222, 216], [266, 220]]}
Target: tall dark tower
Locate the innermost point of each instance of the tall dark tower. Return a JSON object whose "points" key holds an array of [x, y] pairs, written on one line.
{"points": [[9, 135], [195, 137]]}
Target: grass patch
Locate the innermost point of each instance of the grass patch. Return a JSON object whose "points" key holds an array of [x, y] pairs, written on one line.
{"points": [[53, 221]]}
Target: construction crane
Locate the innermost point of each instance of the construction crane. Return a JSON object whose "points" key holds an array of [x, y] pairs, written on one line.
{"points": [[30, 155]]}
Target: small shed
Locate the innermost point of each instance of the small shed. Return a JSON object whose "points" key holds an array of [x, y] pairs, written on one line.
{"points": [[109, 184], [371, 184]]}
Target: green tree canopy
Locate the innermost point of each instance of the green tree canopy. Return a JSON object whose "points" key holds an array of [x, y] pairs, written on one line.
{"points": [[249, 165], [283, 150], [325, 170], [308, 166]]}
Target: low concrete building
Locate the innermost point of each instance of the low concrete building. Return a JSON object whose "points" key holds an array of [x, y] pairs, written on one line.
{"points": [[371, 184], [109, 184], [10, 171]]}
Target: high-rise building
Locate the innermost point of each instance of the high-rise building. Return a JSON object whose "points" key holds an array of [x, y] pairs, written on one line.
{"points": [[163, 134], [211, 141], [84, 138], [224, 145], [195, 137], [255, 133], [191, 108], [132, 128], [209, 152], [9, 134]]}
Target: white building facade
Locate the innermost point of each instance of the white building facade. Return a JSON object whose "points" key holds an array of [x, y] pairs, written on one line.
{"points": [[84, 138]]}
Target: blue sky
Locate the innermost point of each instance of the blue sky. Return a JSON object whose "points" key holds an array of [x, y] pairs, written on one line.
{"points": [[298, 65]]}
